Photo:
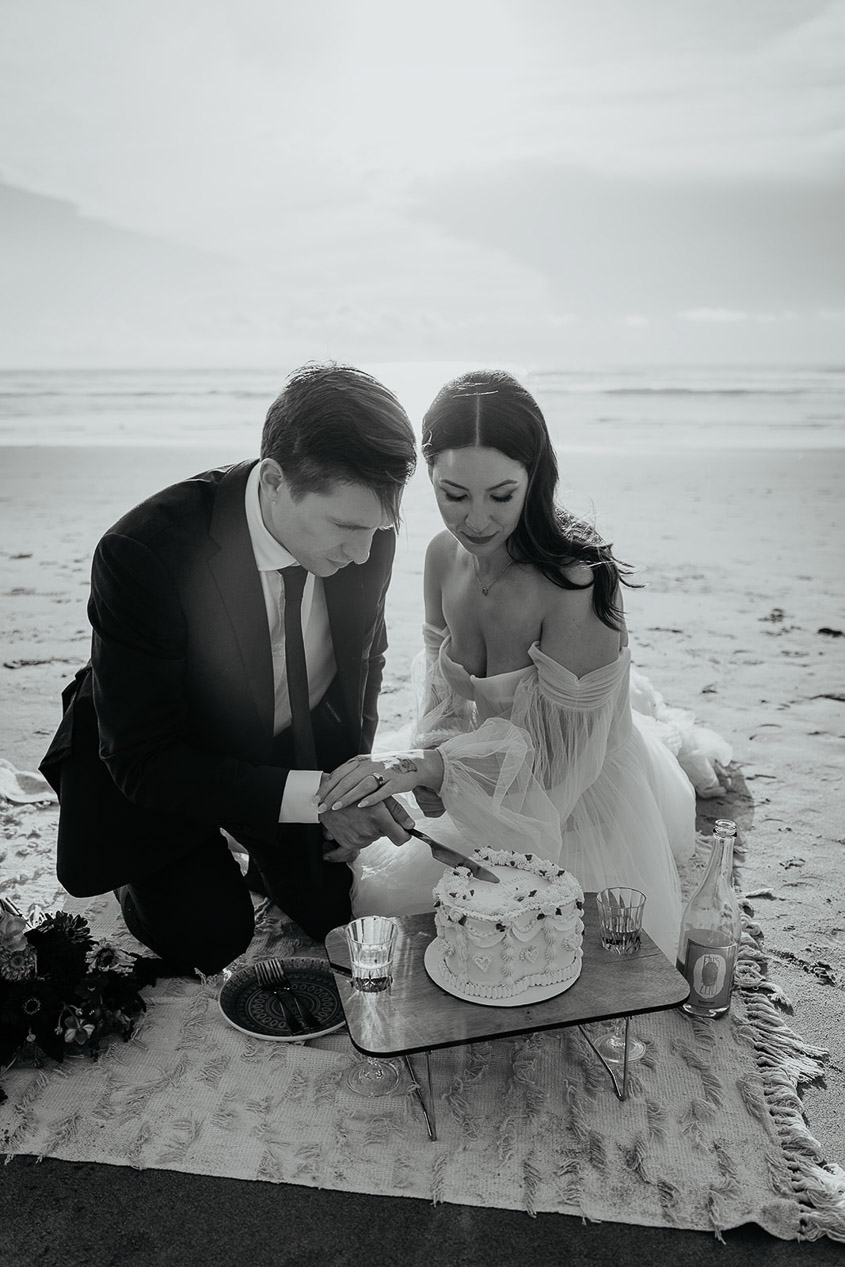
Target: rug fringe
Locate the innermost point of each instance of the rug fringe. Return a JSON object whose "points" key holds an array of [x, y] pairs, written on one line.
{"points": [[786, 1063]]}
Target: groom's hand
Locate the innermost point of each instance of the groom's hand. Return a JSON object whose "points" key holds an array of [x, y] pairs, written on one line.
{"points": [[429, 802], [352, 829]]}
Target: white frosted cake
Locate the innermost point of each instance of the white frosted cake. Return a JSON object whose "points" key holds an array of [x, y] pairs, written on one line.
{"points": [[497, 941]]}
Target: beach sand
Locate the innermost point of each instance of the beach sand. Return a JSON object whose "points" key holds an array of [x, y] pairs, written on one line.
{"points": [[741, 621]]}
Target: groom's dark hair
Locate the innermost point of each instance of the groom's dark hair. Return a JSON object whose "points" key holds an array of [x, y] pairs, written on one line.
{"points": [[336, 424]]}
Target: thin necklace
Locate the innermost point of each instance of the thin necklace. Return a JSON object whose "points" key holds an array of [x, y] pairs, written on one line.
{"points": [[485, 589]]}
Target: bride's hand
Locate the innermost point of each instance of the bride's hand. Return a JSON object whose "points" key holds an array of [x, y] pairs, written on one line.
{"points": [[366, 781]]}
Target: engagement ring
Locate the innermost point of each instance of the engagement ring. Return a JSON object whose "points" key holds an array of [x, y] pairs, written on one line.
{"points": [[379, 778]]}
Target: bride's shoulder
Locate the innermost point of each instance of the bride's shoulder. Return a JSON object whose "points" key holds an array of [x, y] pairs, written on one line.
{"points": [[572, 632], [439, 561], [578, 574], [440, 553], [568, 600]]}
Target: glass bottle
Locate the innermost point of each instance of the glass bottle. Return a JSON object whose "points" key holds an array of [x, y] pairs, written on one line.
{"points": [[711, 928]]}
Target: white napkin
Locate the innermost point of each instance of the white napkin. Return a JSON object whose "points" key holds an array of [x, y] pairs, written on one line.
{"points": [[23, 787]]}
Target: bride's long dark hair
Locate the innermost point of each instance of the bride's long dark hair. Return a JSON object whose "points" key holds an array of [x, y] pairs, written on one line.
{"points": [[491, 409]]}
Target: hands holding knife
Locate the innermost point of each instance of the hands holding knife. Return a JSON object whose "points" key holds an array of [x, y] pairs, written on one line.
{"points": [[366, 781]]}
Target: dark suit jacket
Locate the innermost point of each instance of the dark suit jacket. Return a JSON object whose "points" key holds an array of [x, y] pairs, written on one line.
{"points": [[168, 732]]}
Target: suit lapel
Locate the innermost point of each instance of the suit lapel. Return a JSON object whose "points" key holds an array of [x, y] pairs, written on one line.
{"points": [[239, 583], [345, 604]]}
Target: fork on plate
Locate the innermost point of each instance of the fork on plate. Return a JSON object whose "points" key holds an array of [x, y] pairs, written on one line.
{"points": [[271, 975]]}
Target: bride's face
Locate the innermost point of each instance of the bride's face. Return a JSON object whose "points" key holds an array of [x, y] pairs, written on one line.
{"points": [[480, 493]]}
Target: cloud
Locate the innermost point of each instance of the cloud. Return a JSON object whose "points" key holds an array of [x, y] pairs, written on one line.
{"points": [[222, 126], [616, 244], [730, 315], [488, 174], [714, 314]]}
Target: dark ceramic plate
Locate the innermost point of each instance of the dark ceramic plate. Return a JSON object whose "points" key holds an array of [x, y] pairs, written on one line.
{"points": [[257, 1012]]}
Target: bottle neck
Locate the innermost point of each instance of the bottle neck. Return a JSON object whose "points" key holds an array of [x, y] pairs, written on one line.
{"points": [[720, 866], [726, 860]]}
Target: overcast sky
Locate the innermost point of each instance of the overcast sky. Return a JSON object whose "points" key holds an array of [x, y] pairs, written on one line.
{"points": [[546, 180]]}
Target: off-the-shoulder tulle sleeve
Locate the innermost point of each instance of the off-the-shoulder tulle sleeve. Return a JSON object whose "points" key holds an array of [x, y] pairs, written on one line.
{"points": [[490, 791], [441, 710], [570, 721], [519, 779]]}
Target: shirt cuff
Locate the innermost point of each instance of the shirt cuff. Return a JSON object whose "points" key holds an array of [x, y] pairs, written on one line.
{"points": [[299, 800]]}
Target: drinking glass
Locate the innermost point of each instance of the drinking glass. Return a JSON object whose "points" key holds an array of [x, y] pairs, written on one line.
{"points": [[371, 941], [621, 921]]}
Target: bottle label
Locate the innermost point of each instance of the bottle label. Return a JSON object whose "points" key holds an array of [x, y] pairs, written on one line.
{"points": [[709, 971]]}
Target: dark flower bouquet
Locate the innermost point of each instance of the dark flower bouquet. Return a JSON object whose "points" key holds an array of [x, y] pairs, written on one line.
{"points": [[60, 990]]}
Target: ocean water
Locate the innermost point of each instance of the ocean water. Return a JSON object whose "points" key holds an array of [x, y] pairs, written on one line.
{"points": [[610, 409]]}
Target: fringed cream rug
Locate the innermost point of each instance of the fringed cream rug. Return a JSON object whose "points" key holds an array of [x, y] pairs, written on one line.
{"points": [[711, 1136]]}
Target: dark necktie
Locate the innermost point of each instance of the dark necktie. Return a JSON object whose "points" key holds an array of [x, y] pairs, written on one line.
{"points": [[305, 752], [294, 579]]}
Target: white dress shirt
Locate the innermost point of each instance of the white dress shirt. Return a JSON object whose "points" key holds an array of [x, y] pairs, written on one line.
{"points": [[299, 802]]}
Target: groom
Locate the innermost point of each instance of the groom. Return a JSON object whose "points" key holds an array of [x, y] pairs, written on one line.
{"points": [[237, 652]]}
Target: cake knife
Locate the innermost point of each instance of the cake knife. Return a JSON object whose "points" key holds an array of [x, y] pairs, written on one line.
{"points": [[451, 858]]}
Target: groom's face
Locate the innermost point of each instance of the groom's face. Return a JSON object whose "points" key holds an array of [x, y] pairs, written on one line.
{"points": [[323, 531]]}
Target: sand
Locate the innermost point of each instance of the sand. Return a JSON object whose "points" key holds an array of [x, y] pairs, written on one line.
{"points": [[742, 621]]}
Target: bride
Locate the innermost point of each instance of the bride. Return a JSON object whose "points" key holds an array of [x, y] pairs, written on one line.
{"points": [[526, 737]]}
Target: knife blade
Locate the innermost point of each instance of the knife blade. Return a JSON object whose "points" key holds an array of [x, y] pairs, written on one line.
{"points": [[451, 858]]}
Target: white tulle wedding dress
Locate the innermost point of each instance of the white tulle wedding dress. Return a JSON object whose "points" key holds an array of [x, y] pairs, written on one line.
{"points": [[593, 773]]}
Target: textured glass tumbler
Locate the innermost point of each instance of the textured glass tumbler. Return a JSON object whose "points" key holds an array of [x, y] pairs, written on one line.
{"points": [[621, 921], [371, 941]]}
